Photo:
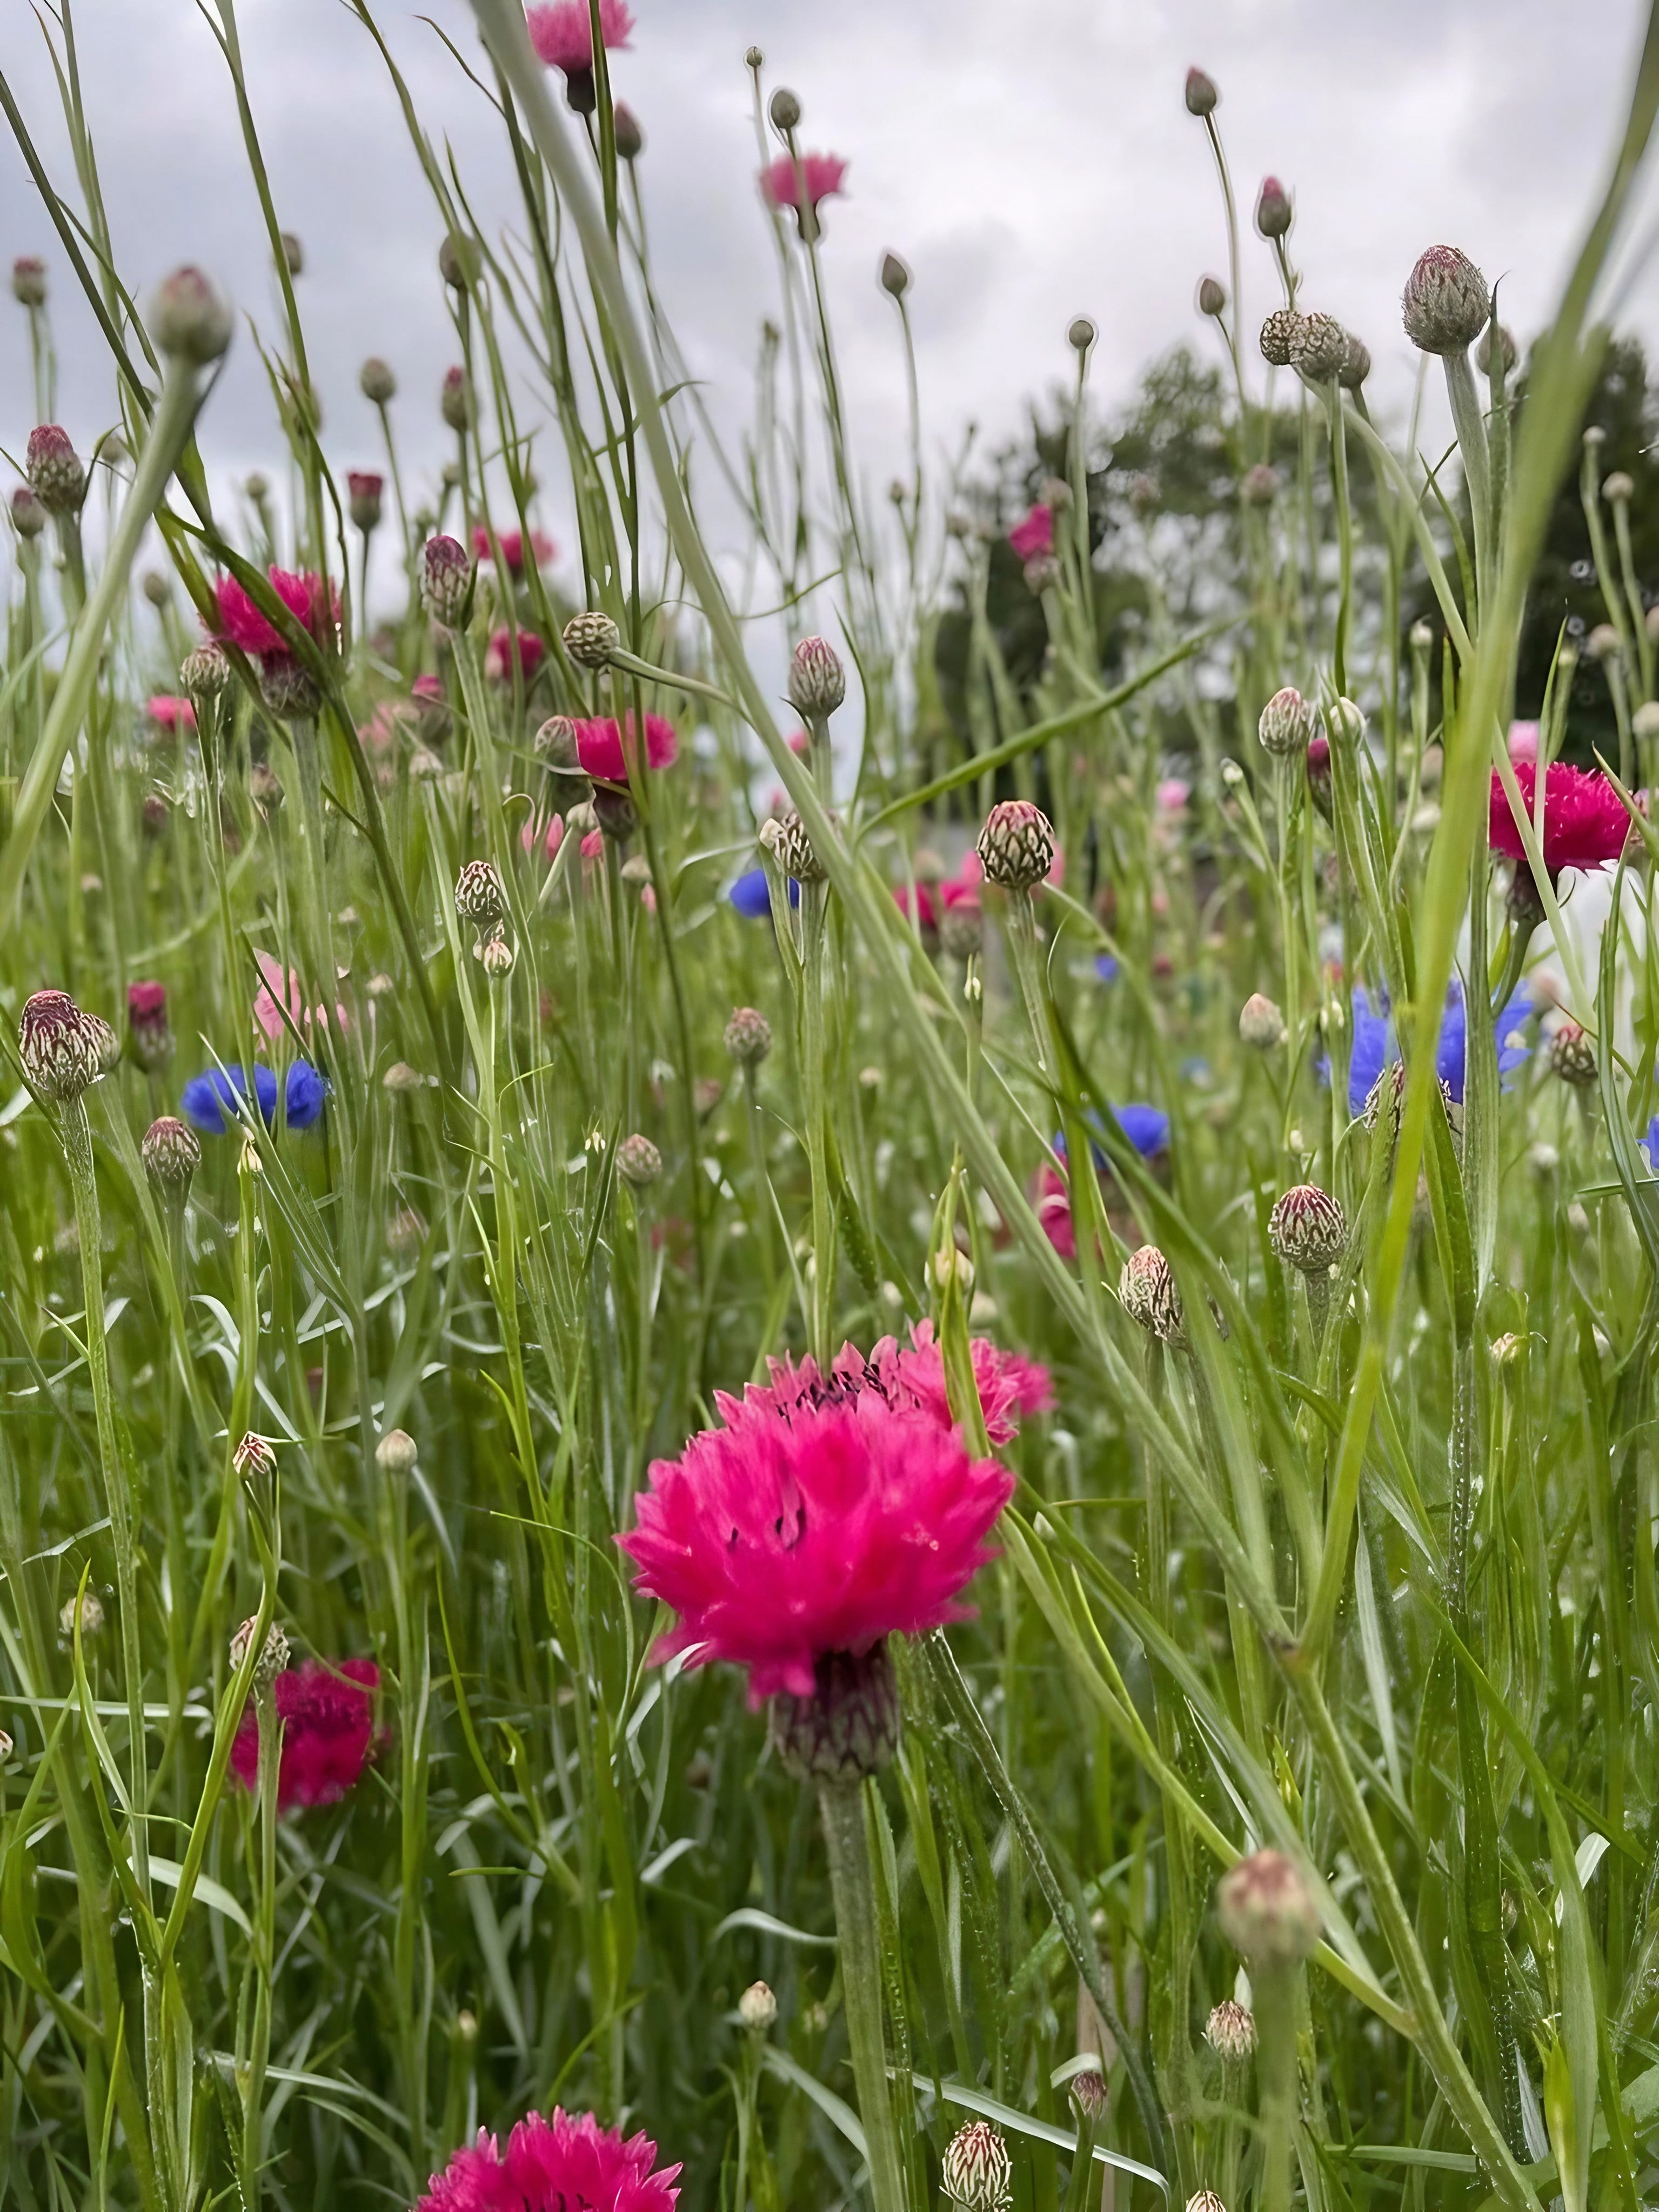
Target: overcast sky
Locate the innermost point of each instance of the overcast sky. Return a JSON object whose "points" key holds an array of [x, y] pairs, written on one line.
{"points": [[1032, 159]]}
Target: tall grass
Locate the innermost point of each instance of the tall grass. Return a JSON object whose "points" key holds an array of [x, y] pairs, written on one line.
{"points": [[1357, 1566]]}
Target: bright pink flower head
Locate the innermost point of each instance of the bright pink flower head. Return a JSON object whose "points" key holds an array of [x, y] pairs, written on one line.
{"points": [[1034, 538], [147, 1004], [550, 839], [429, 688], [1585, 825], [1172, 794], [920, 900], [170, 713], [543, 550], [275, 986], [908, 1378], [563, 32], [779, 1539], [1523, 741], [241, 623], [327, 1713], [823, 174], [561, 2164], [604, 748], [498, 655]]}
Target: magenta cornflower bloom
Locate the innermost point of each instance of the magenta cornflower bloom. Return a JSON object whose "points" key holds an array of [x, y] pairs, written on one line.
{"points": [[604, 748], [1585, 825], [170, 713], [782, 182], [908, 1378], [327, 1712], [543, 550], [563, 32], [1034, 538], [498, 654], [553, 2166], [147, 1025], [782, 1543], [241, 623]]}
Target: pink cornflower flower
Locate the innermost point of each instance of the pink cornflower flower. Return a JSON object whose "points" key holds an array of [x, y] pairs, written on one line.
{"points": [[276, 983], [1585, 825], [592, 846], [782, 182], [604, 747], [543, 550], [1171, 795], [327, 1713], [550, 839], [170, 713], [1522, 743], [779, 1542], [1034, 538], [241, 623], [563, 32], [498, 655], [909, 1378], [917, 900], [1054, 1211], [555, 2165], [429, 688]]}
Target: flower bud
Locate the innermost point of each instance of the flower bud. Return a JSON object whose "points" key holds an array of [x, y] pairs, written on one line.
{"points": [[1603, 642], [1319, 774], [377, 381], [1267, 1912], [1422, 637], [446, 579], [59, 1045], [88, 1612], [253, 1458], [748, 1037], [638, 1160], [962, 929], [1016, 848], [1204, 2200], [788, 841], [1081, 334], [630, 139], [1572, 1056], [1288, 722], [951, 1265], [1274, 212], [754, 59], [1446, 303], [757, 2008], [1644, 722], [817, 682], [1231, 2030], [1201, 94], [1617, 487], [976, 2170], [171, 1152], [1212, 296], [785, 110], [1147, 1289], [1308, 1229], [190, 319], [459, 262], [1087, 2095], [1320, 348], [1280, 335], [894, 276], [1261, 1024], [1356, 364], [148, 1025], [271, 1659], [29, 516], [54, 471], [591, 639], [1508, 353], [1345, 723], [1259, 485], [495, 955], [455, 401], [28, 281], [7, 1748], [400, 1079], [556, 742], [479, 897], [396, 1453], [364, 489], [615, 812], [294, 254]]}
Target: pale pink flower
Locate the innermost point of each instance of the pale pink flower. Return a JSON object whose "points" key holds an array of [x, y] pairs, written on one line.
{"points": [[1172, 794], [1523, 741], [267, 1006], [563, 32], [550, 839], [169, 713], [823, 174]]}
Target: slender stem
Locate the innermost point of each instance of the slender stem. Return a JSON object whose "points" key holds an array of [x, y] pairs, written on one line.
{"points": [[841, 1804], [813, 896], [1272, 1991]]}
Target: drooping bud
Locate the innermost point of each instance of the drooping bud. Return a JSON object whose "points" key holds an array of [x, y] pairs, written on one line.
{"points": [[479, 897], [1280, 335], [977, 2172], [455, 401], [271, 1659], [253, 1458], [1308, 1229], [28, 281], [1287, 724], [1572, 1056], [1149, 1297], [1212, 296], [1081, 334], [1320, 349], [446, 579], [638, 1160], [54, 471], [396, 1453], [1261, 1024], [785, 110], [1274, 212], [1231, 2030], [630, 139], [377, 381], [817, 682], [748, 1037], [757, 2008], [1016, 848], [1445, 303], [849, 1727], [787, 839], [894, 276], [148, 1025], [171, 1152], [591, 639], [365, 488], [1356, 364], [1201, 94], [59, 1046], [1266, 1910], [190, 318]]}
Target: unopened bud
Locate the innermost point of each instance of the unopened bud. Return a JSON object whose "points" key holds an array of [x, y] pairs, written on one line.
{"points": [[396, 1453], [377, 381], [479, 897], [1016, 847], [294, 254], [748, 1037], [1087, 2095], [1308, 1229], [171, 1152], [1201, 94], [455, 401], [1603, 642], [1266, 1910], [817, 682], [253, 1458], [1274, 212], [1445, 304], [590, 639], [894, 276], [190, 319], [446, 579], [757, 2008], [60, 1046], [630, 139], [1508, 354], [976, 2170], [459, 262], [271, 1659], [495, 955], [54, 470], [29, 516], [1081, 334], [556, 742], [1321, 347], [638, 1160], [785, 110], [1212, 296], [1231, 2030], [1356, 364], [1261, 1024], [1280, 335], [28, 281], [1287, 723], [1572, 1056], [88, 1614]]}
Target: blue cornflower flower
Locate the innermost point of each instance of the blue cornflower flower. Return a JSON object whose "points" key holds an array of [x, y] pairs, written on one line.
{"points": [[750, 896], [1106, 967], [213, 1100], [306, 1094], [1374, 1048]]}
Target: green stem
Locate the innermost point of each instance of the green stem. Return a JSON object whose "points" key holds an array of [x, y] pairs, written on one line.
{"points": [[1272, 1991], [841, 1804]]}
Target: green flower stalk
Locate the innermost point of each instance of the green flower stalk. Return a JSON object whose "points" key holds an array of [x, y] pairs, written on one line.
{"points": [[1268, 1915]]}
